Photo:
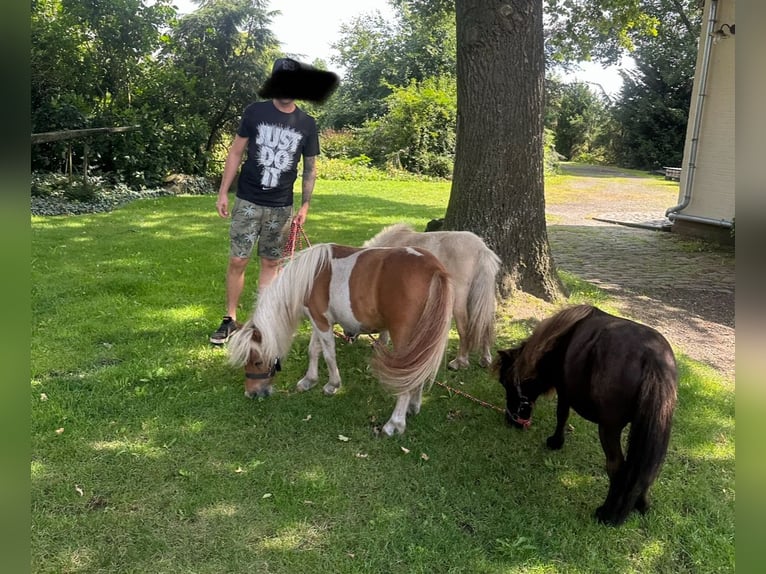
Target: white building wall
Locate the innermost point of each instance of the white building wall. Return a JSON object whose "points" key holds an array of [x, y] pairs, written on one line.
{"points": [[712, 191]]}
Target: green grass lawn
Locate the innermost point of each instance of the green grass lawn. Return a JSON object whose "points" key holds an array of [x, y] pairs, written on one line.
{"points": [[146, 456]]}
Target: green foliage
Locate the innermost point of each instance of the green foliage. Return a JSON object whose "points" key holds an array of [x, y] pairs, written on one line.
{"points": [[45, 184], [363, 52], [379, 56], [653, 108], [550, 155], [359, 168], [227, 49], [81, 190], [581, 118], [584, 30], [184, 82], [348, 169], [418, 132], [340, 143]]}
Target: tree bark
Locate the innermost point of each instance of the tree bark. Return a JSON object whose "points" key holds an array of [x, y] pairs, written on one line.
{"points": [[497, 188]]}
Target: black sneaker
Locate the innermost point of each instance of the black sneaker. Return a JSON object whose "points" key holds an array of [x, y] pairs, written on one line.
{"points": [[223, 332]]}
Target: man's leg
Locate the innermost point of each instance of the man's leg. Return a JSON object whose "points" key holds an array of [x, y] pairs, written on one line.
{"points": [[269, 271], [235, 283], [271, 245]]}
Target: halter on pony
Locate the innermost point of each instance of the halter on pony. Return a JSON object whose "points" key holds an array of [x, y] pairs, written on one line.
{"points": [[525, 406], [277, 366]]}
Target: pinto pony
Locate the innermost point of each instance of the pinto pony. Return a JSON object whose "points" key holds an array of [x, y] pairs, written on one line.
{"points": [[473, 267], [612, 372], [405, 291]]}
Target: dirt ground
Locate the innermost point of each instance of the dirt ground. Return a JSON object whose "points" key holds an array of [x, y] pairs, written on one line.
{"points": [[683, 288]]}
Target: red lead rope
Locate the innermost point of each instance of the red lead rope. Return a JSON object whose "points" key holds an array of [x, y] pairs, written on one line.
{"points": [[466, 395], [297, 237]]}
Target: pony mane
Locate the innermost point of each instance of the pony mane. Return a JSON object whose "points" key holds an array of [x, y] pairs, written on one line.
{"points": [[279, 308], [385, 236], [546, 336]]}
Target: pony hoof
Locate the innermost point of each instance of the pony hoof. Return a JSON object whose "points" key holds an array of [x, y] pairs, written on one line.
{"points": [[329, 389], [413, 409], [603, 516], [390, 429], [485, 362], [457, 364], [304, 385], [554, 443]]}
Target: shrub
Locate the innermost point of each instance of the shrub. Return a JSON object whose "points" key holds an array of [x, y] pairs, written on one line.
{"points": [[340, 144], [360, 169], [418, 132], [45, 184], [82, 190]]}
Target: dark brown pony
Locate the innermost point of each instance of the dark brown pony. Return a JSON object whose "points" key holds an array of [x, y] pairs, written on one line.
{"points": [[404, 290], [612, 372]]}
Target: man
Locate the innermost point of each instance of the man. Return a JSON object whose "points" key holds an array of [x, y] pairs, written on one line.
{"points": [[276, 134]]}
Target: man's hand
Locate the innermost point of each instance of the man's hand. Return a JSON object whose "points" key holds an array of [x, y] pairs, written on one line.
{"points": [[300, 217], [222, 205]]}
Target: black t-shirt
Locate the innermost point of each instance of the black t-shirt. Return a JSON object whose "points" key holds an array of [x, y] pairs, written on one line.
{"points": [[276, 143]]}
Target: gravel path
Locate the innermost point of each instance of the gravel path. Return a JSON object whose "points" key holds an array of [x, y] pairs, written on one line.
{"points": [[683, 288]]}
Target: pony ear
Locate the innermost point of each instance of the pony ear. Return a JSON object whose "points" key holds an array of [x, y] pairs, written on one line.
{"points": [[256, 336], [506, 357]]}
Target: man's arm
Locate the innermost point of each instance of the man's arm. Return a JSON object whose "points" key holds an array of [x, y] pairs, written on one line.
{"points": [[307, 187], [233, 159]]}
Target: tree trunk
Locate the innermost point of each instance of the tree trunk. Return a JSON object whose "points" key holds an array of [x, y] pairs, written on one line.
{"points": [[497, 188]]}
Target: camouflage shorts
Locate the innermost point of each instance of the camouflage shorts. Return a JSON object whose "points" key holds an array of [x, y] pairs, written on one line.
{"points": [[251, 223]]}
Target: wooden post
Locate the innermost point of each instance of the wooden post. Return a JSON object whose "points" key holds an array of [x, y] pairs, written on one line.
{"points": [[85, 169]]}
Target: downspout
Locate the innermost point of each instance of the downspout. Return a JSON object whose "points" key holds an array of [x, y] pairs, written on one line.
{"points": [[672, 212]]}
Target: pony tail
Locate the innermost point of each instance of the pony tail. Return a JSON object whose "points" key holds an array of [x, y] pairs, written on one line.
{"points": [[404, 370], [648, 439], [481, 302]]}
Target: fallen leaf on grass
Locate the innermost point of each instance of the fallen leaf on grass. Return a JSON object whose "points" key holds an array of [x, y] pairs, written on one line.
{"points": [[361, 455], [43, 397], [343, 438], [424, 456], [267, 495], [239, 470], [59, 431], [406, 450], [79, 490], [308, 418]]}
